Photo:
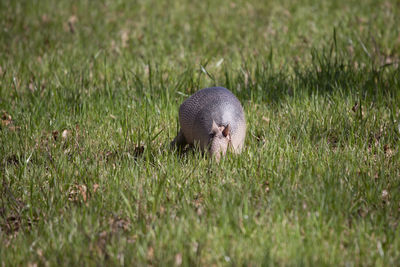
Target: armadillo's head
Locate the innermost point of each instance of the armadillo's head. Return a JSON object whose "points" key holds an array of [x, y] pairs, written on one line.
{"points": [[219, 140]]}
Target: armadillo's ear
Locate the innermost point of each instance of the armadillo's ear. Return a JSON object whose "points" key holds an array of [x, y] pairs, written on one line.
{"points": [[214, 127], [227, 130]]}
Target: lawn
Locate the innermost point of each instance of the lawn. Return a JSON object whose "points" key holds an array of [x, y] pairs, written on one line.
{"points": [[89, 99]]}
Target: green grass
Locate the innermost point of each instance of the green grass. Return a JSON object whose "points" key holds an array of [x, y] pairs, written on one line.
{"points": [[89, 96]]}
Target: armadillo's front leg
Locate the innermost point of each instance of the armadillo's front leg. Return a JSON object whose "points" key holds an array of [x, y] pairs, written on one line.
{"points": [[179, 140]]}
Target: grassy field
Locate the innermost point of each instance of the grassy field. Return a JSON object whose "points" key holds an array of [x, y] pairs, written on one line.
{"points": [[89, 97]]}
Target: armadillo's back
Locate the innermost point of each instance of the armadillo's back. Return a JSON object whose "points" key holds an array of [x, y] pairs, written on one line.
{"points": [[197, 113]]}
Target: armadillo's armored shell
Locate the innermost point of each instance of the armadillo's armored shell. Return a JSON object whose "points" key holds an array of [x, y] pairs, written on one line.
{"points": [[197, 113]]}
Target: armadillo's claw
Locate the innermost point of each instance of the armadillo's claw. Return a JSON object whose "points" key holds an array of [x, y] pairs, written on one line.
{"points": [[179, 141]]}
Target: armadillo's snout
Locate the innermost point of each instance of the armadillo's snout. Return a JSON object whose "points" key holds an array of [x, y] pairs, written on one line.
{"points": [[218, 147], [219, 141], [217, 152]]}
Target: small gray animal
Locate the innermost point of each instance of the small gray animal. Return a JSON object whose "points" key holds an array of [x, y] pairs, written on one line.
{"points": [[213, 118]]}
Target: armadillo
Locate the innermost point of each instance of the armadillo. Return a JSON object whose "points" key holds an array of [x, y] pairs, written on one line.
{"points": [[213, 118]]}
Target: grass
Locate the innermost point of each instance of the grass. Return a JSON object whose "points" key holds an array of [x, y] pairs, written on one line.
{"points": [[89, 96]]}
